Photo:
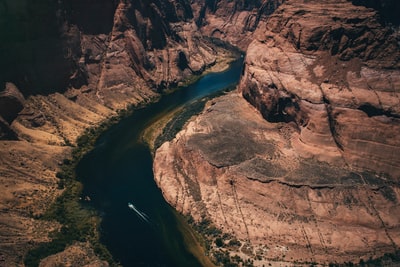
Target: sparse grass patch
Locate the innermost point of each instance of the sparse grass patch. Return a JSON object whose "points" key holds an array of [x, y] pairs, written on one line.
{"points": [[215, 243]]}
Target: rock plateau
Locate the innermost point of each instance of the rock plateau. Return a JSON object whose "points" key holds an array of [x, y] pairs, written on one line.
{"points": [[313, 174]]}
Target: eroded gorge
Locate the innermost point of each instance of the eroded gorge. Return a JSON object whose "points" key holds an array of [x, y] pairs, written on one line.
{"points": [[298, 165]]}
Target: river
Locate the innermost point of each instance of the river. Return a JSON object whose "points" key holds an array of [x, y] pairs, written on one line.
{"points": [[118, 171]]}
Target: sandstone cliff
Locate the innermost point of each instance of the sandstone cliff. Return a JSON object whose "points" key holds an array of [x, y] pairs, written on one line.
{"points": [[333, 70], [308, 172], [233, 21], [315, 176]]}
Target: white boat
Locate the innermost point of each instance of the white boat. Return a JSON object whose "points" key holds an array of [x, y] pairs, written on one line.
{"points": [[141, 215]]}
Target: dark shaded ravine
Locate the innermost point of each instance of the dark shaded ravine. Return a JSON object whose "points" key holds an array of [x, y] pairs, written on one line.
{"points": [[118, 171]]}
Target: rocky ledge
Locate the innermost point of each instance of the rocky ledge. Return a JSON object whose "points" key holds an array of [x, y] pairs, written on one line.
{"points": [[244, 174], [303, 167]]}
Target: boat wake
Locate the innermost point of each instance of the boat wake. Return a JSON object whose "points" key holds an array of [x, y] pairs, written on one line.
{"points": [[139, 213]]}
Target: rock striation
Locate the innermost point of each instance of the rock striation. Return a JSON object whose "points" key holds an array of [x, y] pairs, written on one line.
{"points": [[330, 66], [306, 168], [120, 54], [281, 206], [233, 21], [312, 175]]}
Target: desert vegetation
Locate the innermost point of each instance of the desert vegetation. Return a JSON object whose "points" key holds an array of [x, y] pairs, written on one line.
{"points": [[80, 223]]}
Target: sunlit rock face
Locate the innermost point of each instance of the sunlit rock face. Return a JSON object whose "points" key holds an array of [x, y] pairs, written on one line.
{"points": [[158, 43], [333, 70], [244, 174], [300, 164]]}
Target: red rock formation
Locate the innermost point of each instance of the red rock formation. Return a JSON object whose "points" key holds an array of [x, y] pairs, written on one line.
{"points": [[123, 53], [329, 66], [257, 188], [318, 179], [233, 21]]}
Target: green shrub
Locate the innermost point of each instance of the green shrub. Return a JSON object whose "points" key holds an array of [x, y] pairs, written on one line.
{"points": [[219, 242]]}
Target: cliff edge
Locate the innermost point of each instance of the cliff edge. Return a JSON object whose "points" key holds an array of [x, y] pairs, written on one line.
{"points": [[300, 164]]}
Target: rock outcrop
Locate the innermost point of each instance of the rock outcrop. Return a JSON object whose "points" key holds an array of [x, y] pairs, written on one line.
{"points": [[333, 70], [233, 21], [11, 102], [314, 177], [257, 189]]}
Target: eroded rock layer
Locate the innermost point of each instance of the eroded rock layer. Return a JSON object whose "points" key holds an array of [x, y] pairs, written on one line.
{"points": [[311, 171], [315, 176], [253, 185], [233, 21], [333, 70]]}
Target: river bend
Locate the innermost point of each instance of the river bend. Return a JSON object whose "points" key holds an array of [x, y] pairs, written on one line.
{"points": [[138, 226]]}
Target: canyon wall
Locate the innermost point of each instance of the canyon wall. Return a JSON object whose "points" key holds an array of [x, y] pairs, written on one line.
{"points": [[309, 171], [333, 70], [299, 165], [232, 21], [115, 52]]}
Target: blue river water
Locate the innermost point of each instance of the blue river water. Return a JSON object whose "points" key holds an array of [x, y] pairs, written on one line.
{"points": [[138, 226]]}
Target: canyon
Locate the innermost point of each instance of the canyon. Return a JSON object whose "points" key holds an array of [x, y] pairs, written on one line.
{"points": [[298, 165]]}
